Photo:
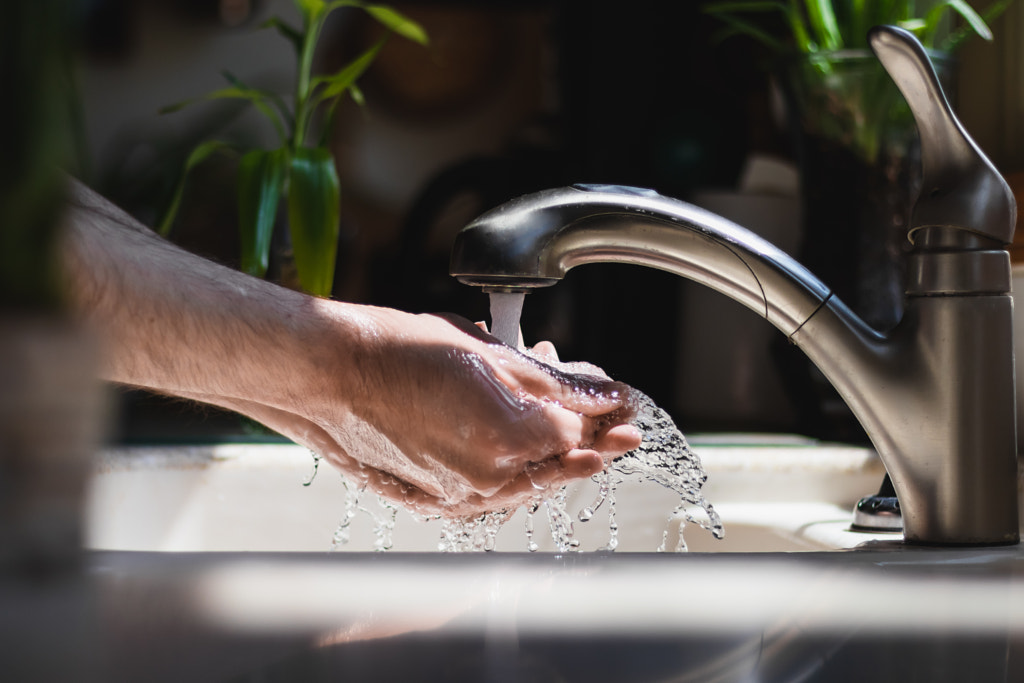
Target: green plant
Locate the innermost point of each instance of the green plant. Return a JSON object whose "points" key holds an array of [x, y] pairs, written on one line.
{"points": [[829, 25], [839, 94], [36, 72], [302, 167]]}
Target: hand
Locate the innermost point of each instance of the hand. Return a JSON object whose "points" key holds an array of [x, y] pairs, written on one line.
{"points": [[453, 422]]}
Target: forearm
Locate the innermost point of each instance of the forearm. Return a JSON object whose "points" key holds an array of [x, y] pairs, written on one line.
{"points": [[179, 324], [427, 411]]}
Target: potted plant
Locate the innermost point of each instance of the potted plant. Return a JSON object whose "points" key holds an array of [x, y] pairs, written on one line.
{"points": [[856, 139], [301, 168]]}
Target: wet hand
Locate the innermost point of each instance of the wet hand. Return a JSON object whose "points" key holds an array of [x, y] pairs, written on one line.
{"points": [[459, 423]]}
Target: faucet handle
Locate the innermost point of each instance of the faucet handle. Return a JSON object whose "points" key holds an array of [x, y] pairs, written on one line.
{"points": [[961, 188]]}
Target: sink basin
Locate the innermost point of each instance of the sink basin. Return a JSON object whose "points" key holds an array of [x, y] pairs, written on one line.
{"points": [[754, 610], [773, 493]]}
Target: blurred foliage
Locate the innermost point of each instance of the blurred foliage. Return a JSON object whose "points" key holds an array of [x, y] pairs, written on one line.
{"points": [[828, 25], [36, 124], [301, 169]]}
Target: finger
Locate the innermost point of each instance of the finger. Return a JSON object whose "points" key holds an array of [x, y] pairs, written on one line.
{"points": [[581, 393], [578, 463], [554, 430], [464, 325], [546, 350], [581, 463], [538, 480], [618, 440], [587, 394]]}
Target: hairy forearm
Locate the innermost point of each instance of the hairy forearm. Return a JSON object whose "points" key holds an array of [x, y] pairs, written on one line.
{"points": [[425, 410], [177, 323]]}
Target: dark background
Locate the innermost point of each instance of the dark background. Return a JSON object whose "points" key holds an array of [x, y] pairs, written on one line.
{"points": [[642, 93]]}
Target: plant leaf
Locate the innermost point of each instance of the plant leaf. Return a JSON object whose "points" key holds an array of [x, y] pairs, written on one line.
{"points": [[357, 96], [338, 82], [726, 11], [262, 95], [391, 18], [399, 23], [918, 27], [742, 27], [356, 93], [261, 176], [293, 34], [222, 94], [201, 153], [309, 9], [328, 88], [991, 13], [972, 18], [823, 23], [314, 208], [236, 92]]}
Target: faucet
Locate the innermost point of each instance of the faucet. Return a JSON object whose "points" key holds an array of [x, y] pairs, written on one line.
{"points": [[935, 394]]}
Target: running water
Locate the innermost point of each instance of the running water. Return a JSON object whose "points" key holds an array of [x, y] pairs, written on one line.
{"points": [[506, 309], [664, 458]]}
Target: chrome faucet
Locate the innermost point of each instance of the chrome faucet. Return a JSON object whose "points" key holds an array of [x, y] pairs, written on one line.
{"points": [[935, 394]]}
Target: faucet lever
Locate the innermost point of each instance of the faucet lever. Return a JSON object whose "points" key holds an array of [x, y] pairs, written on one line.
{"points": [[961, 188]]}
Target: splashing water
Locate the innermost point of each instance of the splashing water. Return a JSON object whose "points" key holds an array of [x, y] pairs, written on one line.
{"points": [[383, 516], [344, 531], [472, 534], [560, 523], [613, 526], [664, 458], [531, 544], [604, 484], [316, 468]]}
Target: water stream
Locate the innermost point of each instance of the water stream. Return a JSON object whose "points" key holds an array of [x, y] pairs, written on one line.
{"points": [[506, 309], [664, 458]]}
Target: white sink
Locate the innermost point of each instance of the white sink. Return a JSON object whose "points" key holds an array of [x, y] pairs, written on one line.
{"points": [[885, 612], [773, 493]]}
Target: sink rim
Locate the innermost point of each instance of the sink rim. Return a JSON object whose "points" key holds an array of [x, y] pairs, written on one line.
{"points": [[780, 473]]}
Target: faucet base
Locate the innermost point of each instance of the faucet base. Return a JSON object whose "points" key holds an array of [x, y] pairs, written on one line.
{"points": [[877, 513]]}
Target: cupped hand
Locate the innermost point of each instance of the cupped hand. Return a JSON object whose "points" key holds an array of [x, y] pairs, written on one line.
{"points": [[451, 421]]}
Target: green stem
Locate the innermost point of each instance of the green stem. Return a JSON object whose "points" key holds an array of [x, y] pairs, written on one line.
{"points": [[302, 88]]}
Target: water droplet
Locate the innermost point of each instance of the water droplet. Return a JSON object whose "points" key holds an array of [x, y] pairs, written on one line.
{"points": [[343, 533], [316, 467]]}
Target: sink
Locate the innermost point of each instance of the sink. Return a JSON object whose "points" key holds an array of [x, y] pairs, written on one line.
{"points": [[790, 594], [774, 493]]}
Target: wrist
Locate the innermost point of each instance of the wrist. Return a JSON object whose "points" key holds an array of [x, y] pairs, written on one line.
{"points": [[344, 347]]}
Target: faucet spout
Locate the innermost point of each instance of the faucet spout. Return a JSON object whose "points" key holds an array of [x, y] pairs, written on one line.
{"points": [[535, 240]]}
